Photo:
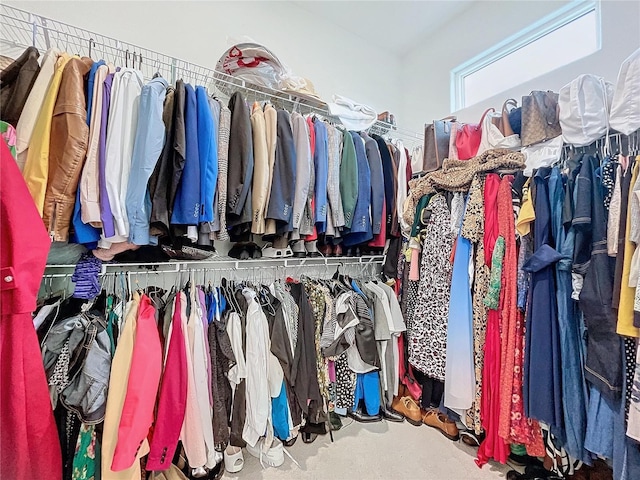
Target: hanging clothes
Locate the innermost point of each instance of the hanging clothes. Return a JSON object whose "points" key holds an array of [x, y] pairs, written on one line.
{"points": [[473, 229], [240, 170], [26, 417], [459, 385], [428, 337], [542, 364], [574, 392]]}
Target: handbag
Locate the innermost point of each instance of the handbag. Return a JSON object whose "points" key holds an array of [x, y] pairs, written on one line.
{"points": [[453, 150], [584, 109], [437, 135], [469, 137], [540, 117], [501, 121], [497, 133]]}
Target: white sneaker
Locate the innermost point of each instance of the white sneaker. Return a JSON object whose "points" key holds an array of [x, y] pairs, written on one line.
{"points": [[274, 457], [268, 251]]}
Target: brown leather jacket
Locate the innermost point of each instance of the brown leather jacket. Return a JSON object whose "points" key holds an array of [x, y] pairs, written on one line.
{"points": [[68, 149]]}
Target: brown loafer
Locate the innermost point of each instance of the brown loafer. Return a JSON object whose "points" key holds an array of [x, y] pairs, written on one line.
{"points": [[406, 407], [436, 419]]}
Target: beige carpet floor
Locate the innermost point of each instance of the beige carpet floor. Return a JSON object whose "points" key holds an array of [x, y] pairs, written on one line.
{"points": [[382, 450]]}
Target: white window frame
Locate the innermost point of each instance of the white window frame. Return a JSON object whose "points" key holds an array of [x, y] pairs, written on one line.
{"points": [[539, 29]]}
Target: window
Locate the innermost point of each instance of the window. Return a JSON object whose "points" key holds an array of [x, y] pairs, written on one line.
{"points": [[571, 33]]}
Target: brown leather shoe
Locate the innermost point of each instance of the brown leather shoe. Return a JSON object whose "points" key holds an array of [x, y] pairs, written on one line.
{"points": [[409, 409], [436, 419]]}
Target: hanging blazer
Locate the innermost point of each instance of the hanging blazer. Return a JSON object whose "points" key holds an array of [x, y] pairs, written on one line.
{"points": [[377, 182], [360, 230], [303, 166], [179, 153], [118, 382], [240, 169], [348, 178], [321, 162], [208, 154], [186, 208], [223, 171], [26, 418], [142, 388], [16, 82], [284, 177], [333, 180], [271, 129], [162, 176], [172, 400], [261, 171], [68, 149], [389, 181]]}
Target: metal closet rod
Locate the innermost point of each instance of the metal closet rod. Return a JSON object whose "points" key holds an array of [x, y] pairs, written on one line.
{"points": [[214, 265], [23, 28]]}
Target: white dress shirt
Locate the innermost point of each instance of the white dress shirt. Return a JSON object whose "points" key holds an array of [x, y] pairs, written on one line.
{"points": [[123, 121]]}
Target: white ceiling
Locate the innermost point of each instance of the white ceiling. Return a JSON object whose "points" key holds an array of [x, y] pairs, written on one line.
{"points": [[395, 25]]}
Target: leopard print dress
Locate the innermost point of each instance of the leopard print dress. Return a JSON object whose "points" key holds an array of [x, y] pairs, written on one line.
{"points": [[428, 335]]}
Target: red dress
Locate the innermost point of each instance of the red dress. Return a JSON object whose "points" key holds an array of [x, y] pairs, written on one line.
{"points": [[493, 445], [29, 445]]}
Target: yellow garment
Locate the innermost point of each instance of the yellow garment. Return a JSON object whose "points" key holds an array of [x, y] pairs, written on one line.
{"points": [[527, 214], [115, 400], [36, 168], [627, 293]]}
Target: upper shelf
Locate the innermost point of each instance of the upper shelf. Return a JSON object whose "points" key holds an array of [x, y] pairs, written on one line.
{"points": [[21, 29]]}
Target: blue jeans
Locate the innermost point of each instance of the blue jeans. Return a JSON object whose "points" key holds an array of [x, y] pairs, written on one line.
{"points": [[368, 388]]}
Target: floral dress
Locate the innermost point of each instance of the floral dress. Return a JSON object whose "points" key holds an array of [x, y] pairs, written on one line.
{"points": [[428, 335], [84, 460]]}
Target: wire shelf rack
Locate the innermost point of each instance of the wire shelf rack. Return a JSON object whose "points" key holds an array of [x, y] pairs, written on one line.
{"points": [[20, 29]]}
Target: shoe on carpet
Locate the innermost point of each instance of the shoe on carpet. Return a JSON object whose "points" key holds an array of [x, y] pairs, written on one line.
{"points": [[335, 422], [407, 407], [524, 460], [471, 438], [233, 459], [360, 416], [436, 419], [391, 415], [274, 455]]}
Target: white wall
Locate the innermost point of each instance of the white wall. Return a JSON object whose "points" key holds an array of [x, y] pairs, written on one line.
{"points": [[334, 59], [426, 70]]}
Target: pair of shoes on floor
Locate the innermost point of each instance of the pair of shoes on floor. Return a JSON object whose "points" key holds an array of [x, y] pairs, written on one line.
{"points": [[273, 455], [245, 251], [408, 408], [328, 250], [436, 419]]}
